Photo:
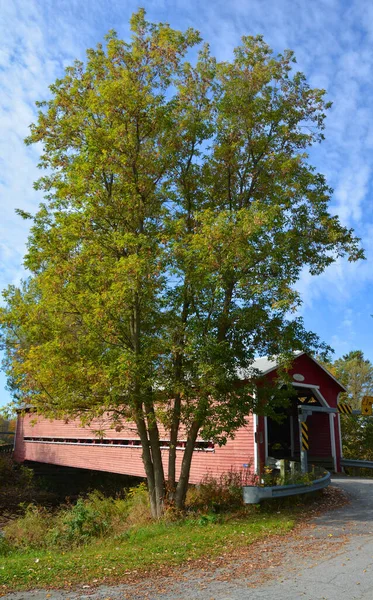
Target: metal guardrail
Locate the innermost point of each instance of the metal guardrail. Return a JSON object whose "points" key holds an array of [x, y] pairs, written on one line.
{"points": [[362, 464], [6, 448], [254, 494]]}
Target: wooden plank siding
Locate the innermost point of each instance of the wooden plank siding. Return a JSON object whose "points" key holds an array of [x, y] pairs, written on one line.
{"points": [[125, 460], [240, 451]]}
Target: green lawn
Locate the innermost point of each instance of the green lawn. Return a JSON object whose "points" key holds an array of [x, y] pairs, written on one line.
{"points": [[157, 544]]}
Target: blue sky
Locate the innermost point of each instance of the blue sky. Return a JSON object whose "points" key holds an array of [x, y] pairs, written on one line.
{"points": [[333, 43]]}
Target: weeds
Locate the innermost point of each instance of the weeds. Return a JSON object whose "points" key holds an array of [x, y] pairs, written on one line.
{"points": [[105, 539], [91, 518], [97, 517], [219, 495]]}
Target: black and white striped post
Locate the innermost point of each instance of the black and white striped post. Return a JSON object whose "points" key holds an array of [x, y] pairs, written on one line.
{"points": [[304, 440]]}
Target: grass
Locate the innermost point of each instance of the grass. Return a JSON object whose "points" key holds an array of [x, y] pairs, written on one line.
{"points": [[141, 549], [100, 539]]}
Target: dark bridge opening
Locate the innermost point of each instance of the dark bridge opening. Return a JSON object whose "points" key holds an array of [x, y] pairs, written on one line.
{"points": [[283, 434], [71, 482]]}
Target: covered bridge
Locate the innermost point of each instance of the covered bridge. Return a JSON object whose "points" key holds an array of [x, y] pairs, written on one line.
{"points": [[67, 443]]}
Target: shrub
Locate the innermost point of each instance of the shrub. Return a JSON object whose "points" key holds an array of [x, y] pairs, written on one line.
{"points": [[82, 522], [5, 547], [137, 504], [93, 517], [29, 530], [222, 494]]}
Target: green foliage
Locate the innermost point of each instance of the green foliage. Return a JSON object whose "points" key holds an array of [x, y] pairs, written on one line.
{"points": [[271, 477], [83, 522], [137, 503], [180, 209], [93, 517], [219, 494], [357, 437], [6, 427], [29, 531], [12, 473], [356, 373], [5, 547]]}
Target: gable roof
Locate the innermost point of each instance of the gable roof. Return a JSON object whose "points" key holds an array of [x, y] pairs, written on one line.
{"points": [[266, 365]]}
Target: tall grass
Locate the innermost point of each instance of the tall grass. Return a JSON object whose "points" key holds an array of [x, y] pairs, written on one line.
{"points": [[93, 517], [99, 517]]}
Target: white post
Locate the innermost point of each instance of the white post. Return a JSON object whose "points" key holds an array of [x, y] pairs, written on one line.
{"points": [[256, 444], [332, 440]]}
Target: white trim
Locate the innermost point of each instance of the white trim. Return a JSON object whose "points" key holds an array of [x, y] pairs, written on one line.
{"points": [[256, 444], [316, 389], [305, 385], [332, 440], [340, 435], [339, 430], [96, 444], [266, 439]]}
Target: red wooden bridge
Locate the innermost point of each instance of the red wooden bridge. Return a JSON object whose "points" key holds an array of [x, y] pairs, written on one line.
{"points": [[262, 438]]}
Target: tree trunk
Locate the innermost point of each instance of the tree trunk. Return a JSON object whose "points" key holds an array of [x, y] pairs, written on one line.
{"points": [[175, 423], [182, 486], [148, 464], [172, 451], [151, 452], [159, 482]]}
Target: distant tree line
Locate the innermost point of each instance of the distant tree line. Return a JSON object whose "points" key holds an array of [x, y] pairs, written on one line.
{"points": [[355, 372], [6, 426]]}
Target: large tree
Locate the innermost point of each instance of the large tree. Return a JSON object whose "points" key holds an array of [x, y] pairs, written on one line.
{"points": [[180, 208]]}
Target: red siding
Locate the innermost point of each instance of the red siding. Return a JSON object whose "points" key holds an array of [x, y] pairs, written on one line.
{"points": [[318, 424], [233, 456], [319, 435]]}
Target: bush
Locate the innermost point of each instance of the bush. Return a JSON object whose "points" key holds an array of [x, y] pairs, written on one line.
{"points": [[90, 518], [219, 495], [30, 530], [5, 547], [137, 503], [83, 522]]}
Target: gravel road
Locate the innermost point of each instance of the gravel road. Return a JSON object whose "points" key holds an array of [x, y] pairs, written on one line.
{"points": [[331, 559]]}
